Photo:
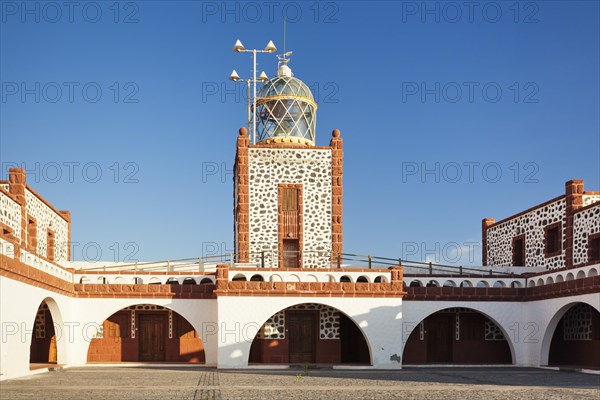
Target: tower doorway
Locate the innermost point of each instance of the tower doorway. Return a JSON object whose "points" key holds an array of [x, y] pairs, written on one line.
{"points": [[291, 253]]}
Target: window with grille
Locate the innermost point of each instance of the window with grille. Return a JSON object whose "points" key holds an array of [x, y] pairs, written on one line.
{"points": [[290, 199], [552, 240]]}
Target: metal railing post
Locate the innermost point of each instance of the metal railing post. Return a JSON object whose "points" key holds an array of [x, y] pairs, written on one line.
{"points": [[262, 259], [273, 258], [370, 266], [399, 262], [430, 268], [339, 260], [460, 270], [199, 264]]}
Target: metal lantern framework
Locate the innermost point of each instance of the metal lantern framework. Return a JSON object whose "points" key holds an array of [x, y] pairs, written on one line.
{"points": [[284, 110]]}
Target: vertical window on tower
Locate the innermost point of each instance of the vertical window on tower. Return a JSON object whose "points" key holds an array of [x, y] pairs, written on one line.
{"points": [[290, 199], [32, 235], [594, 247], [552, 239], [50, 246], [518, 248]]}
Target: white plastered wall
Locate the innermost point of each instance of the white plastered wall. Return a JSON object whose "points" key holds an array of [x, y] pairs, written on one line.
{"points": [[19, 303], [240, 318]]}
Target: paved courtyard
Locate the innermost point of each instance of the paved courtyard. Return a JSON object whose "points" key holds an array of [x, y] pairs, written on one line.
{"points": [[205, 383]]}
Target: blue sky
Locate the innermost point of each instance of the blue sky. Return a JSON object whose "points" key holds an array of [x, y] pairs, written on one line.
{"points": [[450, 113]]}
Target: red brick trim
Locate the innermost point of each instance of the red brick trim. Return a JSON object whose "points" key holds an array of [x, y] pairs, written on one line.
{"points": [[561, 245], [574, 190], [225, 287], [528, 210], [596, 204], [10, 195], [295, 146], [311, 289], [43, 200], [67, 216], [7, 233], [32, 242], [337, 191], [142, 273], [17, 184], [485, 224], [562, 289], [50, 245], [16, 270], [242, 199], [91, 290]]}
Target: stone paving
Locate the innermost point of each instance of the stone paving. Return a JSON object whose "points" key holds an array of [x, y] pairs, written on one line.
{"points": [[197, 383]]}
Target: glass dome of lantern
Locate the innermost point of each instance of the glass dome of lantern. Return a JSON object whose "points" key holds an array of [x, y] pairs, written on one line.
{"points": [[286, 111]]}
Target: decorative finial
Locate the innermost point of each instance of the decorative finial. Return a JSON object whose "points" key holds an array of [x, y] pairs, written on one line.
{"points": [[336, 133], [243, 131]]}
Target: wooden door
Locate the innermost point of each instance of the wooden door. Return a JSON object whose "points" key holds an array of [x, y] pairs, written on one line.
{"points": [[440, 332], [290, 253], [52, 355], [152, 337], [302, 336]]}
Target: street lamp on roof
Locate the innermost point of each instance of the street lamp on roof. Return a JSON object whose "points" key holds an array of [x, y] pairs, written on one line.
{"points": [[238, 47]]}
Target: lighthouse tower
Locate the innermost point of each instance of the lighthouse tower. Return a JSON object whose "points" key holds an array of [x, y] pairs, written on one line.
{"points": [[287, 190]]}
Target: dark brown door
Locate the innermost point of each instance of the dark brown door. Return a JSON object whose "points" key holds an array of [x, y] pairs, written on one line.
{"points": [[152, 337], [440, 331], [290, 253], [301, 336]]}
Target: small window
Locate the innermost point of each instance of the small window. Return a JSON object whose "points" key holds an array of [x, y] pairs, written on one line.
{"points": [[290, 199], [519, 251], [32, 235], [552, 240], [50, 246], [594, 248]]}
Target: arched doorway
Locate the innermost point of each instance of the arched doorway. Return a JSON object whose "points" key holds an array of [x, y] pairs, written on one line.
{"points": [[146, 333], [43, 349], [576, 339], [457, 336], [310, 333]]}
